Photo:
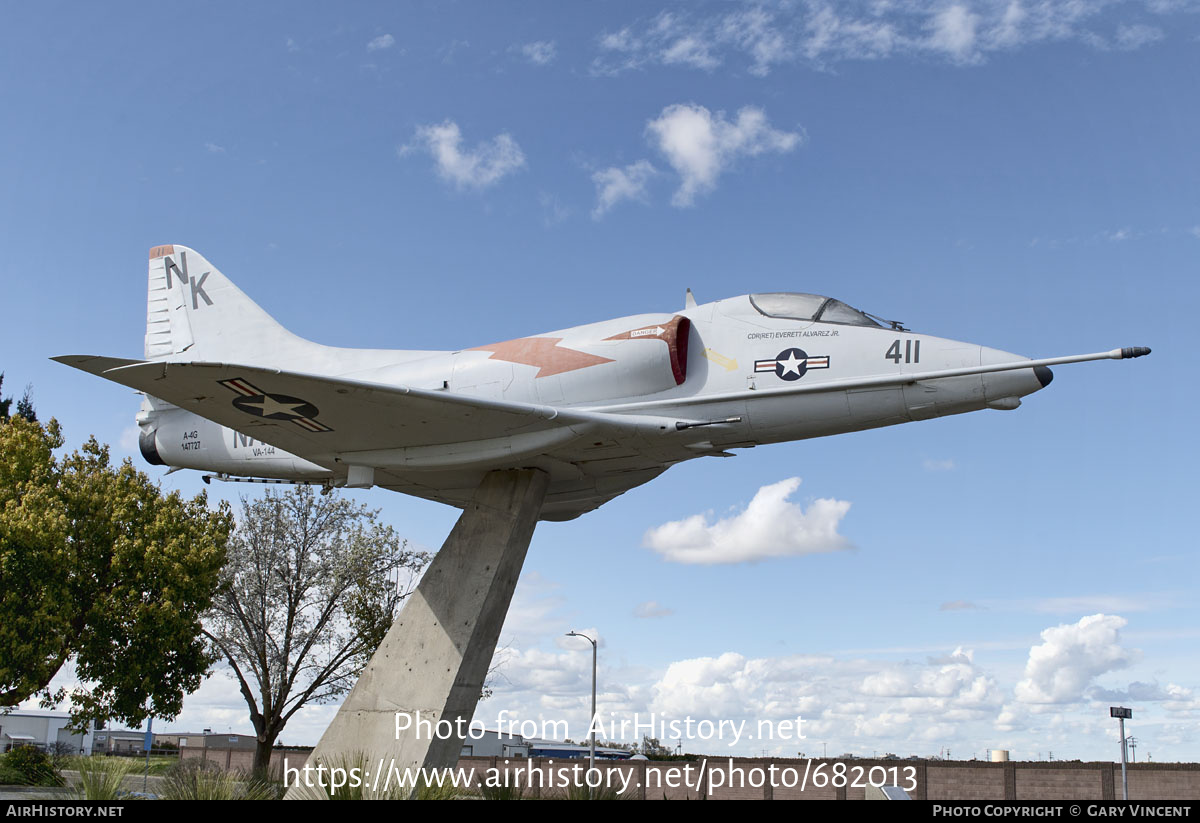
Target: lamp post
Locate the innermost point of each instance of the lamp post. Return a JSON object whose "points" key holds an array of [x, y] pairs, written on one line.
{"points": [[592, 723], [1121, 713]]}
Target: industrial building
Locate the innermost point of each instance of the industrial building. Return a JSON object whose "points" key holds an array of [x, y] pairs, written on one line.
{"points": [[46, 730]]}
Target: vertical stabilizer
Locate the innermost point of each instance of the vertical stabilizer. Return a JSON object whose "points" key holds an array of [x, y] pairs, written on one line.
{"points": [[193, 310]]}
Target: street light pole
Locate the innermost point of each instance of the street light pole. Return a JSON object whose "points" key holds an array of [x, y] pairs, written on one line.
{"points": [[592, 723]]}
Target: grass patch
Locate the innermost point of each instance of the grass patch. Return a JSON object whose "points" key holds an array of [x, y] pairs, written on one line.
{"points": [[100, 778], [199, 780]]}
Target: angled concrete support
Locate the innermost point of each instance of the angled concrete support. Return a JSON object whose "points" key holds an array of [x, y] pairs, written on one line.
{"points": [[435, 657]]}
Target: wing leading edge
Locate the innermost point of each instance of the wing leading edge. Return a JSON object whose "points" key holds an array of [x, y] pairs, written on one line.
{"points": [[321, 417]]}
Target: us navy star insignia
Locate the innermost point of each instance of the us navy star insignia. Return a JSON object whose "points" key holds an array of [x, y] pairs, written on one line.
{"points": [[253, 400], [791, 364]]}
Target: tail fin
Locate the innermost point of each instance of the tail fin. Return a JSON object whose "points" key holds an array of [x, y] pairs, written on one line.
{"points": [[193, 309]]}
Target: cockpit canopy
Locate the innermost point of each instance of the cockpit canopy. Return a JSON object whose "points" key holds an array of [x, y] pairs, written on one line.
{"points": [[797, 306]]}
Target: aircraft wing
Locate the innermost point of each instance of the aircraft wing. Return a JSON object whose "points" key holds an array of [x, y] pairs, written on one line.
{"points": [[318, 417]]}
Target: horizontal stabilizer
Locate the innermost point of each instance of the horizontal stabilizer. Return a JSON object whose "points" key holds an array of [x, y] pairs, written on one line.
{"points": [[94, 364]]}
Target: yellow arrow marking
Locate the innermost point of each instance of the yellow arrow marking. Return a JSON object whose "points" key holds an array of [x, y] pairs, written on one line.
{"points": [[727, 363]]}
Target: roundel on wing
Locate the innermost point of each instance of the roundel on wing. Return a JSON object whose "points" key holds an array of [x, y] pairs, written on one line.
{"points": [[276, 406]]}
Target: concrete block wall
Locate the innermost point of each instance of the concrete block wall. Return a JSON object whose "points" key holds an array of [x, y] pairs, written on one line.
{"points": [[935, 780]]}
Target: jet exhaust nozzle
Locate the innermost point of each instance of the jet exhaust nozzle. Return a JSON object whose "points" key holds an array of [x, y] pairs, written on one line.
{"points": [[149, 448]]}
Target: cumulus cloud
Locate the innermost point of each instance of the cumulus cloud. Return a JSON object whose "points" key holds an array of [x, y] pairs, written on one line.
{"points": [[1071, 656], [651, 608], [707, 686], [540, 52], [383, 41], [863, 701], [485, 165], [701, 145], [770, 526], [952, 677], [616, 184]]}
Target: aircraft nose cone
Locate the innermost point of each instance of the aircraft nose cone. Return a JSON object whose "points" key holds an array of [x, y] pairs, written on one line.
{"points": [[1044, 375]]}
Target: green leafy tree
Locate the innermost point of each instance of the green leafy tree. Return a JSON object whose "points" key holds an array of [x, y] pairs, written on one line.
{"points": [[99, 566], [312, 585]]}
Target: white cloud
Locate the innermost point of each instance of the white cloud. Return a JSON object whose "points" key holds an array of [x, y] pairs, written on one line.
{"points": [[754, 32], [690, 50], [651, 608], [383, 41], [540, 52], [931, 465], [1007, 30], [616, 184], [758, 38], [953, 32], [862, 704], [213, 148], [1122, 234], [700, 145], [673, 39], [827, 36], [770, 526], [1133, 37], [483, 166], [953, 677], [536, 604], [1071, 656]]}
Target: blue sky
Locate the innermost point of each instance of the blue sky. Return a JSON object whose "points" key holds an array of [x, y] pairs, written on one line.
{"points": [[1023, 175]]}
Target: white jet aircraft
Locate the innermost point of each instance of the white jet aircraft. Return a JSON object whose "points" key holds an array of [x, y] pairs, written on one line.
{"points": [[601, 408]]}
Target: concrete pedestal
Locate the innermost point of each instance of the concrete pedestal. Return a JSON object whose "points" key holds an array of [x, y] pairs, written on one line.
{"points": [[433, 661]]}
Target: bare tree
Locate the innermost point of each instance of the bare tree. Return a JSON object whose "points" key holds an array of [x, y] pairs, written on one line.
{"points": [[311, 585]]}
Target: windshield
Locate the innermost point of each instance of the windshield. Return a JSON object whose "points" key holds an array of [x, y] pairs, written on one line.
{"points": [[797, 306]]}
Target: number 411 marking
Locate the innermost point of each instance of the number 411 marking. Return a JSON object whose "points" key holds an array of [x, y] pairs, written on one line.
{"points": [[912, 352]]}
